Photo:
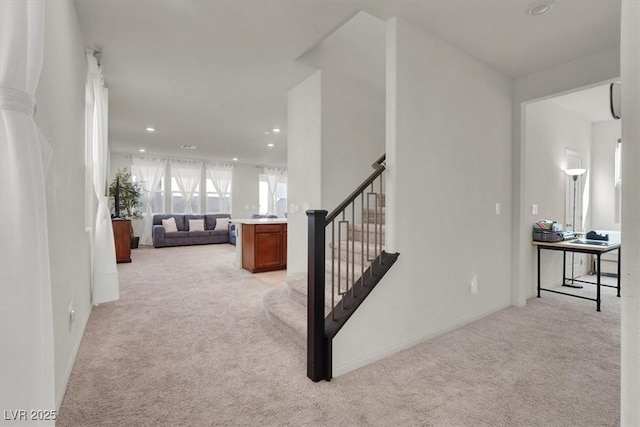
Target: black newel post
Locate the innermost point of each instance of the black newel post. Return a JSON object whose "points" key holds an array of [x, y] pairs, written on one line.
{"points": [[317, 360]]}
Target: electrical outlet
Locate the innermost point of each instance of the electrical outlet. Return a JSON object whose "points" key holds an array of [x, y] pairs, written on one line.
{"points": [[534, 209], [497, 208], [473, 286]]}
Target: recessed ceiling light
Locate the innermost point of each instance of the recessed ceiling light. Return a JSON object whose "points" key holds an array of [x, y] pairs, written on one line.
{"points": [[188, 147], [235, 159], [538, 8], [276, 130], [142, 150], [270, 144], [151, 129]]}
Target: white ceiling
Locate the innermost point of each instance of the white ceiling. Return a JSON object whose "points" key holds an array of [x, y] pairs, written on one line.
{"points": [[215, 73]]}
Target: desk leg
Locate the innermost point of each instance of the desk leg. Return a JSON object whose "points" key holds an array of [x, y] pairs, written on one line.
{"points": [[538, 271], [565, 280], [619, 250], [598, 283]]}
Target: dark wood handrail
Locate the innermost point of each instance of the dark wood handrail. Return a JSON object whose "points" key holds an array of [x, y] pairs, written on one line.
{"points": [[379, 168]]}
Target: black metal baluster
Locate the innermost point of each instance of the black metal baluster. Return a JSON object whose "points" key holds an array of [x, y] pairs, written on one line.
{"points": [[382, 218], [353, 245], [362, 238], [333, 264]]}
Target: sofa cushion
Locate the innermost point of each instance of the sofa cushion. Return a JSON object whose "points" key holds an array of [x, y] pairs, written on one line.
{"points": [[222, 224], [169, 225], [199, 233], [180, 222], [210, 220], [196, 224], [177, 234]]}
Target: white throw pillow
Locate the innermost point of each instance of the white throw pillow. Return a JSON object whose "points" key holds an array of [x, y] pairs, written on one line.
{"points": [[196, 225], [222, 224], [169, 225]]}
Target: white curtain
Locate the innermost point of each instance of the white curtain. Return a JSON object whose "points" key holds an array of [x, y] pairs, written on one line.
{"points": [[220, 174], [187, 175], [26, 320], [105, 286], [149, 172], [274, 177]]}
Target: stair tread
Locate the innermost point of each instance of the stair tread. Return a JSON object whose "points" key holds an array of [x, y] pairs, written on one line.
{"points": [[298, 286], [286, 306], [357, 246], [363, 227], [341, 265], [286, 313]]}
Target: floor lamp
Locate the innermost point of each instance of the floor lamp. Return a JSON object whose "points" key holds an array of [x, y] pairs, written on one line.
{"points": [[574, 174]]}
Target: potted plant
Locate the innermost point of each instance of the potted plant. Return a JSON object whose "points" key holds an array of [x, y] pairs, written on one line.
{"points": [[128, 194]]}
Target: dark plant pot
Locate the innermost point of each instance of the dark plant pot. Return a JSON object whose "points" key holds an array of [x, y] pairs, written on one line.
{"points": [[134, 242]]}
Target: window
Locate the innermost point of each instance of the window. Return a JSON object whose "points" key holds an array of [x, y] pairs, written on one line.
{"points": [[216, 203], [218, 187], [273, 203], [281, 199], [263, 207], [186, 176], [156, 197], [178, 203]]}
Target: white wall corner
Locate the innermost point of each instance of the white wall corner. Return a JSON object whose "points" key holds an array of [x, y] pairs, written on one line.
{"points": [[391, 136]]}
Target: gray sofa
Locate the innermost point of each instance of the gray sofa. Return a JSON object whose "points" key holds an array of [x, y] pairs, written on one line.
{"points": [[184, 237]]}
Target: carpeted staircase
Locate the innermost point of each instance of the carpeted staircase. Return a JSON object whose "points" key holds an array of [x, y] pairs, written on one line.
{"points": [[286, 306]]}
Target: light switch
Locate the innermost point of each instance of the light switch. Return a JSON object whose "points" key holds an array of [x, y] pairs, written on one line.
{"points": [[497, 208], [534, 209]]}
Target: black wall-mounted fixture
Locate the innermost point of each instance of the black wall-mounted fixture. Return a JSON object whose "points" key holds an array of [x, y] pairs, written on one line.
{"points": [[615, 101]]}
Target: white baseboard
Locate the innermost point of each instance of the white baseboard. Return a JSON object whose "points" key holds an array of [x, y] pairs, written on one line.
{"points": [[381, 354], [67, 375]]}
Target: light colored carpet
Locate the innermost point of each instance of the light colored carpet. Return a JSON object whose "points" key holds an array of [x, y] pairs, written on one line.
{"points": [[188, 345]]}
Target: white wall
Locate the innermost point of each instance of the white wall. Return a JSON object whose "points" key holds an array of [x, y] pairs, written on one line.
{"points": [[449, 164], [245, 190], [630, 299], [304, 130], [347, 100], [604, 138], [581, 73], [352, 60], [550, 131], [353, 134], [118, 161], [61, 101]]}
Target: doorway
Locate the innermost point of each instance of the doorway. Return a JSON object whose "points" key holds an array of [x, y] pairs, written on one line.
{"points": [[574, 195]]}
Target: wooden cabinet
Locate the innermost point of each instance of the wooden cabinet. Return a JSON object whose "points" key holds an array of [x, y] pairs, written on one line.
{"points": [[264, 247], [122, 238]]}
